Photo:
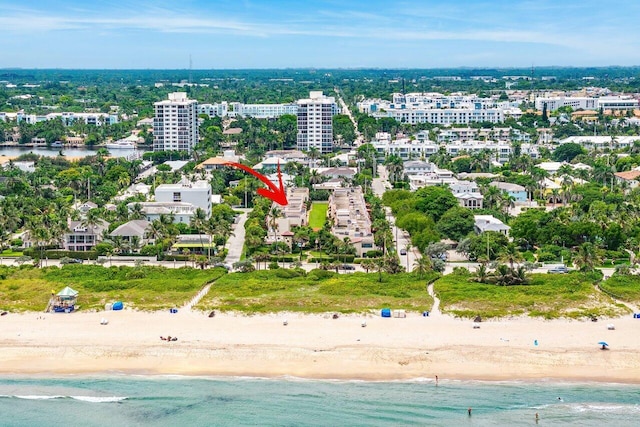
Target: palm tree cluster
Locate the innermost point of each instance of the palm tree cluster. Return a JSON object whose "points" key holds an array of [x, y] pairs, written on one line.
{"points": [[502, 275]]}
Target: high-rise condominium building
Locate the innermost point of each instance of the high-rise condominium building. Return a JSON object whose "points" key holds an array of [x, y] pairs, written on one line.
{"points": [[175, 125], [315, 127]]}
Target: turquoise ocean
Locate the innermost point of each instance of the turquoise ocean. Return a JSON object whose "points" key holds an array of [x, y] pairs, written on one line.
{"points": [[197, 401]]}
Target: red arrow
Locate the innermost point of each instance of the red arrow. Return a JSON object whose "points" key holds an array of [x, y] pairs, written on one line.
{"points": [[278, 195]]}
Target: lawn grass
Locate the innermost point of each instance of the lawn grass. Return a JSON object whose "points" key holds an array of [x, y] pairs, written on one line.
{"points": [[318, 214], [550, 296], [11, 254], [623, 287], [143, 288], [317, 292]]}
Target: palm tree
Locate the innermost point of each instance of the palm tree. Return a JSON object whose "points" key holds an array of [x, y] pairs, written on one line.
{"points": [[380, 268], [198, 222], [313, 154], [395, 167], [258, 258], [157, 232], [368, 264], [422, 266], [511, 255], [587, 257], [502, 275], [482, 273], [92, 219], [315, 177], [274, 214], [136, 212]]}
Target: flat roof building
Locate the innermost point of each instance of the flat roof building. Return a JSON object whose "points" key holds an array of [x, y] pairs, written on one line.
{"points": [[175, 124]]}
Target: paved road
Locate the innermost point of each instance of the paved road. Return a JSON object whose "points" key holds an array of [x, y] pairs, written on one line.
{"points": [[236, 241], [347, 111]]}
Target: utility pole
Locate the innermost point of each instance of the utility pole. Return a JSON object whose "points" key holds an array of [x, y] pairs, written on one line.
{"points": [[488, 258]]}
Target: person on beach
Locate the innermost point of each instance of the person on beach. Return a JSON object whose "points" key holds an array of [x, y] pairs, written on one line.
{"points": [[469, 411], [537, 418], [436, 380]]}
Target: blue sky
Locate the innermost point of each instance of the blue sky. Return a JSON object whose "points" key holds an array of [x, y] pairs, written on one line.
{"points": [[312, 33]]}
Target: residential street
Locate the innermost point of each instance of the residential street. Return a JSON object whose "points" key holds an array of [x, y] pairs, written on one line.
{"points": [[236, 240]]}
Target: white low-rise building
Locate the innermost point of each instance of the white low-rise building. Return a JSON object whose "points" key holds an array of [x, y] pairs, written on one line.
{"points": [[587, 103], [490, 223], [196, 193]]}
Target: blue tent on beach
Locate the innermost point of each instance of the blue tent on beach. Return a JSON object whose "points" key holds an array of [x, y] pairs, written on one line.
{"points": [[117, 305], [386, 312]]}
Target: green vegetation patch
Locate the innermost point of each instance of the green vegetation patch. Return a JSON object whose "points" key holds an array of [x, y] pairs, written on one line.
{"points": [[549, 296], [10, 253], [317, 292], [318, 214], [143, 288], [623, 287]]}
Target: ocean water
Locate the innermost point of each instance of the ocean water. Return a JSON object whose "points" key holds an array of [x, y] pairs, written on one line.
{"points": [[182, 401]]}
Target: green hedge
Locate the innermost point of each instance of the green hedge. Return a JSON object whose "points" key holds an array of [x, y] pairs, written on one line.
{"points": [[57, 254], [341, 258]]}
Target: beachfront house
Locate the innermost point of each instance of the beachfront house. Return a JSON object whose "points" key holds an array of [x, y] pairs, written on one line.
{"points": [[134, 233], [82, 237]]}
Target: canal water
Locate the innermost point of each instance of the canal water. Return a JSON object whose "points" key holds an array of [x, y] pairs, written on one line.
{"points": [[68, 152]]}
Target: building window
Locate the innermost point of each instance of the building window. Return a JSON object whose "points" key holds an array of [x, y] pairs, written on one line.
{"points": [[177, 197]]}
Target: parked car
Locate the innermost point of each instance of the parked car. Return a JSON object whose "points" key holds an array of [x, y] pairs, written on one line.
{"points": [[403, 251], [559, 269], [347, 267]]}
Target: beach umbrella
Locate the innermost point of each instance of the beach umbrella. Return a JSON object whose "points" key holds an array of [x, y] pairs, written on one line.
{"points": [[603, 343]]}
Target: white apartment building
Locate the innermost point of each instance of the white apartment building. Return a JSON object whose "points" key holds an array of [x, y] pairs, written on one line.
{"points": [[405, 148], [175, 124], [315, 125], [196, 193], [418, 167], [348, 210], [264, 111], [408, 149], [214, 110], [501, 150], [466, 134], [602, 142], [182, 212], [238, 109], [587, 102], [67, 118], [438, 108], [445, 116]]}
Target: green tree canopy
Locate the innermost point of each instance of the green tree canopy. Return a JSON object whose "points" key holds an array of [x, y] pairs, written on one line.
{"points": [[567, 152], [435, 201], [456, 223]]}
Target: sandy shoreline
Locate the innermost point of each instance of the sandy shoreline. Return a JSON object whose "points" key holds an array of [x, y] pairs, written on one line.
{"points": [[318, 347]]}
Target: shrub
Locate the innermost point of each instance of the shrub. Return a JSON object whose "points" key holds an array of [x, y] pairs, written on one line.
{"points": [[546, 257], [321, 274], [273, 265]]}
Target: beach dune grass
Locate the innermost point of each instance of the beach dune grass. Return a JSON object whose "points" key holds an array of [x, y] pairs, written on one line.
{"points": [[548, 296], [317, 292], [318, 214], [623, 287], [143, 288]]}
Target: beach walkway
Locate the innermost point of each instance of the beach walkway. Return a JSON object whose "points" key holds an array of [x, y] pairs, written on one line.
{"points": [[196, 299], [435, 310]]}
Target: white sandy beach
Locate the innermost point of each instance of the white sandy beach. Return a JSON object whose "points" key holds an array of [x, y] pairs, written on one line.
{"points": [[316, 346]]}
